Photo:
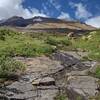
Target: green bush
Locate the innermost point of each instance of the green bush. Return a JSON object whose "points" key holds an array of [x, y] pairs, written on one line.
{"points": [[63, 41], [9, 67], [18, 44], [5, 32], [29, 50], [2, 34]]}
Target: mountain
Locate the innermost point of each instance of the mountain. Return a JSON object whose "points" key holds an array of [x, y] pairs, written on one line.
{"points": [[14, 21], [44, 24], [21, 22]]}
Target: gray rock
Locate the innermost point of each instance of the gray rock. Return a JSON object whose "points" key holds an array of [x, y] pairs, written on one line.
{"points": [[69, 61], [83, 86], [75, 94], [43, 76], [18, 91], [46, 81], [77, 54], [38, 73], [47, 92]]}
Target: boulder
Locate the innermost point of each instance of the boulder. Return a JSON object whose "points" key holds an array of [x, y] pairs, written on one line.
{"points": [[17, 91], [69, 62], [75, 94], [82, 87]]}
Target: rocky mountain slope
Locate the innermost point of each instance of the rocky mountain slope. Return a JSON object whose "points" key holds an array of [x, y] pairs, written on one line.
{"points": [[49, 66], [43, 24]]}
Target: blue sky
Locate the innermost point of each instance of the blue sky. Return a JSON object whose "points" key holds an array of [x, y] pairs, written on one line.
{"points": [[54, 8], [87, 11]]}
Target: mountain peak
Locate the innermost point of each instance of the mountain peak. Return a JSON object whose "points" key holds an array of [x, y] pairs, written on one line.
{"points": [[44, 22], [15, 18], [38, 18]]}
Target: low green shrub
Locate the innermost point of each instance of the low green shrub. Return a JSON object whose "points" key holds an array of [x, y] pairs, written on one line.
{"points": [[30, 50], [63, 41], [61, 97], [27, 50], [10, 67], [18, 44], [6, 32]]}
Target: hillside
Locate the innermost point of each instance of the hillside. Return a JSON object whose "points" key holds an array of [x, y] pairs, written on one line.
{"points": [[49, 49], [32, 65], [47, 25]]}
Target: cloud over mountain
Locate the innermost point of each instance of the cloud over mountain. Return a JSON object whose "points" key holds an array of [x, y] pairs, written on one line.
{"points": [[81, 12], [95, 21], [10, 8], [65, 16]]}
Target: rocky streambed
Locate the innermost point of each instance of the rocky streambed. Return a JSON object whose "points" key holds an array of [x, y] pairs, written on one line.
{"points": [[46, 77]]}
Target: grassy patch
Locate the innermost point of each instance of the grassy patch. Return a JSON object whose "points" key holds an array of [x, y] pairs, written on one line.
{"points": [[18, 44], [89, 43], [97, 72], [29, 45], [58, 41], [9, 67], [61, 97]]}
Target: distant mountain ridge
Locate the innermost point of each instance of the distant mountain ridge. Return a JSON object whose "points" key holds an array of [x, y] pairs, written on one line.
{"points": [[45, 24], [21, 22]]}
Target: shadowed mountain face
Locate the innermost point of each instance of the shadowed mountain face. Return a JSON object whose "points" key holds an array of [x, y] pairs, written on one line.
{"points": [[21, 22], [15, 21], [44, 24]]}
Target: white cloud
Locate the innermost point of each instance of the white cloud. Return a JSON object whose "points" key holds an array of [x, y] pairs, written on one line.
{"points": [[81, 11], [36, 12], [95, 21], [9, 8], [45, 9], [64, 16], [55, 4]]}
